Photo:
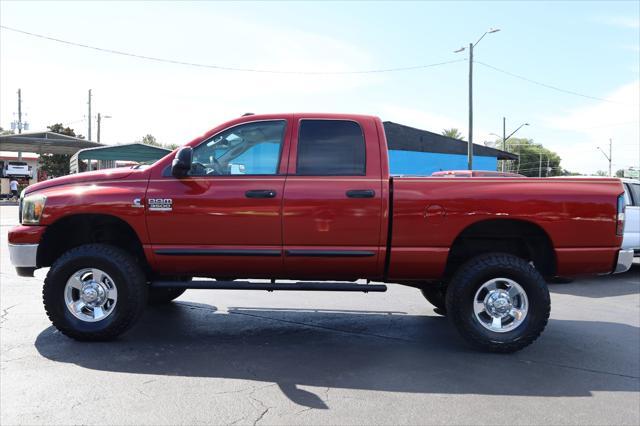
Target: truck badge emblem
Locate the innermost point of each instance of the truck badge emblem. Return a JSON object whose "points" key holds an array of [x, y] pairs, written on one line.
{"points": [[160, 204]]}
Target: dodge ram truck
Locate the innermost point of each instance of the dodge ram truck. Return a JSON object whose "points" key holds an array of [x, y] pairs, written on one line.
{"points": [[309, 198]]}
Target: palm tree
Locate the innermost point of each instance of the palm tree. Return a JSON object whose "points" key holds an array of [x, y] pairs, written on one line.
{"points": [[452, 133]]}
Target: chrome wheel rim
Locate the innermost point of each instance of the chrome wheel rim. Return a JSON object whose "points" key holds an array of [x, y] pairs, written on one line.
{"points": [[500, 305], [90, 295]]}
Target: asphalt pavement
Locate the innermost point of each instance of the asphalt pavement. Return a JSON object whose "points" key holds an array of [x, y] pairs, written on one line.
{"points": [[238, 357]]}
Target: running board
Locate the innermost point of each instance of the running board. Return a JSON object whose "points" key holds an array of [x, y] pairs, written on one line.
{"points": [[247, 285]]}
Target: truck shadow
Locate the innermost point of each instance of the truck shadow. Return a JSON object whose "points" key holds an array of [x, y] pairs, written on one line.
{"points": [[383, 351], [598, 287]]}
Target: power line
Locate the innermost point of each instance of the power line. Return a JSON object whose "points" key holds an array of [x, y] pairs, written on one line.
{"points": [[548, 86], [224, 67]]}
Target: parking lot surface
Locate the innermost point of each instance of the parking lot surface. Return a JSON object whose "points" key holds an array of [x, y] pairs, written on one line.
{"points": [[234, 357]]}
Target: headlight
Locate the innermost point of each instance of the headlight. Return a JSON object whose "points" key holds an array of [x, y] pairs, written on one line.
{"points": [[32, 208]]}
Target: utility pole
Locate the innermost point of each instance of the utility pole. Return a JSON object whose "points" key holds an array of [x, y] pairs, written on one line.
{"points": [[98, 127], [19, 110], [470, 144], [540, 166], [89, 118], [610, 157], [504, 138], [547, 173]]}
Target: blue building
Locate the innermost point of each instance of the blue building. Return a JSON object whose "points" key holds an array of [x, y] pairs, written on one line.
{"points": [[419, 152]]}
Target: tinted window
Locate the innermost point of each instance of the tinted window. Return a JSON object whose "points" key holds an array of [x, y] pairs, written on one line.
{"points": [[247, 149], [330, 148], [635, 189], [627, 195]]}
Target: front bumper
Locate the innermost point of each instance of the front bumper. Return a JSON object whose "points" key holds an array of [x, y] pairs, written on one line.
{"points": [[23, 255], [624, 262]]}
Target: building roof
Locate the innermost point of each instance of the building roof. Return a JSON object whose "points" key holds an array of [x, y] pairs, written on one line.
{"points": [[138, 152], [405, 138], [44, 143]]}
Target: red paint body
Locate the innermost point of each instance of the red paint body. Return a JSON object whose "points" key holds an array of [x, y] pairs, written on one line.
{"points": [[212, 214]]}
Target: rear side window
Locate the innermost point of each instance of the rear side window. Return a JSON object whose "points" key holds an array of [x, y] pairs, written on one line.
{"points": [[331, 148]]}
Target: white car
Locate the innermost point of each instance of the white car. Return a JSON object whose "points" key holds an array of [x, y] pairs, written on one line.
{"points": [[16, 169], [632, 215]]}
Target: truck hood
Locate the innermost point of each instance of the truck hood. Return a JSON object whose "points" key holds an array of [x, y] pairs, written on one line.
{"points": [[95, 176]]}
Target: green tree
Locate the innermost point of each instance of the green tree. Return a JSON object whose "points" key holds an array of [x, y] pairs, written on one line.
{"points": [[534, 159], [601, 173], [452, 133], [6, 132], [620, 173], [149, 139], [57, 164]]}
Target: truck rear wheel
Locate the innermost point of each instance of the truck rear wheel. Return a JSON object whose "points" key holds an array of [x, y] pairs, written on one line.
{"points": [[437, 297], [498, 302], [94, 292]]}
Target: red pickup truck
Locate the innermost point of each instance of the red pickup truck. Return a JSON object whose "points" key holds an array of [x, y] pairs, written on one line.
{"points": [[308, 197]]}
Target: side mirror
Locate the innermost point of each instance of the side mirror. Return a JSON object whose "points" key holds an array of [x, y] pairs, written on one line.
{"points": [[182, 162]]}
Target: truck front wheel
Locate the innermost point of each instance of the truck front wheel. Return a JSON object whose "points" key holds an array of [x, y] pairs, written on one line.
{"points": [[437, 297], [94, 292], [498, 302]]}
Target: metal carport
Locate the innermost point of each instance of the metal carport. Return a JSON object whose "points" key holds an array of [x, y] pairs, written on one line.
{"points": [[44, 143], [106, 156]]}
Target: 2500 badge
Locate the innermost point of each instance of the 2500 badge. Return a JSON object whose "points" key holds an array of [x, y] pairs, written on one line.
{"points": [[161, 204]]}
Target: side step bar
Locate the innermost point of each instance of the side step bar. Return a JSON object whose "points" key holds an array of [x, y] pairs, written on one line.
{"points": [[247, 285]]}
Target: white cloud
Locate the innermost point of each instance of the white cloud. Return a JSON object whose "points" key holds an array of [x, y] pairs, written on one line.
{"points": [[592, 126], [173, 102], [622, 22]]}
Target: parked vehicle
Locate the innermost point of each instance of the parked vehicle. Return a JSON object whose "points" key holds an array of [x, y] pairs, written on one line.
{"points": [[309, 197], [475, 173], [631, 238], [16, 169]]}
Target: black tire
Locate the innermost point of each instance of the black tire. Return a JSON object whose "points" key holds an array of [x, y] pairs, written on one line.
{"points": [[437, 297], [161, 296], [477, 271], [127, 277]]}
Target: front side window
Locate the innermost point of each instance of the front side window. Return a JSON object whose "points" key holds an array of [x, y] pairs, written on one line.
{"points": [[330, 148], [246, 149]]}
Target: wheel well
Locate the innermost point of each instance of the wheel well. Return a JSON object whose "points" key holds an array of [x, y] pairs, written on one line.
{"points": [[520, 238], [76, 230]]}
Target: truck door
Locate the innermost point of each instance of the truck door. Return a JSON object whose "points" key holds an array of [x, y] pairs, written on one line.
{"points": [[224, 219], [332, 212]]}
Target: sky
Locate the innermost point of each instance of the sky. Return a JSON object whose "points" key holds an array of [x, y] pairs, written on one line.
{"points": [[591, 49]]}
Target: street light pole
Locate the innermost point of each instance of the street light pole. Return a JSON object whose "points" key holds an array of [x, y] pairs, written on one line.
{"points": [[89, 117], [608, 157], [100, 117], [470, 143]]}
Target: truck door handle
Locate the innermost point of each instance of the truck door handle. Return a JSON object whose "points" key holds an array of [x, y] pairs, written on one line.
{"points": [[361, 193], [260, 193]]}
